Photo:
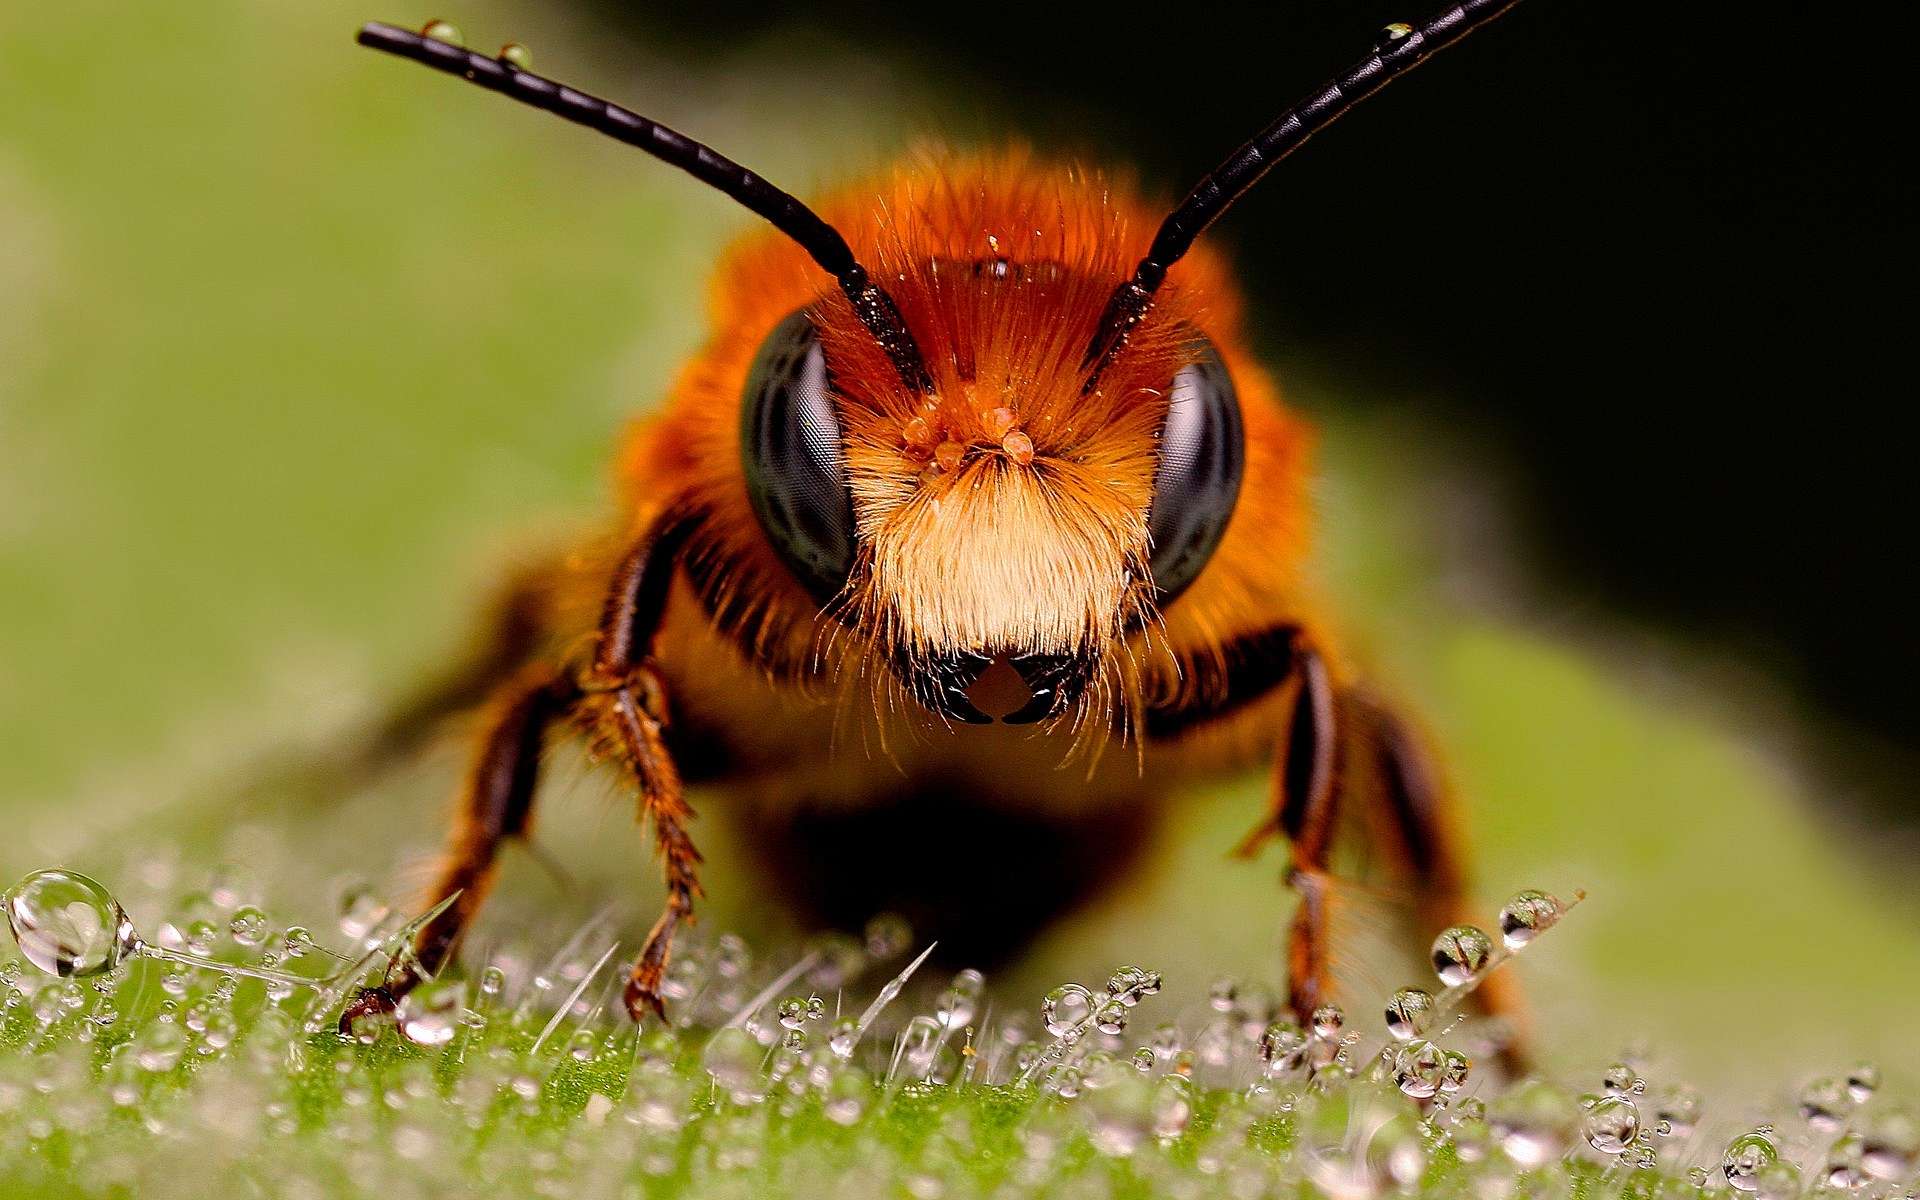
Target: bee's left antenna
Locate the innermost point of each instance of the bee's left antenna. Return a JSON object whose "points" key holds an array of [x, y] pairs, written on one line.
{"points": [[1399, 49], [823, 242]]}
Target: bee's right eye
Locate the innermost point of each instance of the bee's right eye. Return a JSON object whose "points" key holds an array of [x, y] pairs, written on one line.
{"points": [[796, 477]]}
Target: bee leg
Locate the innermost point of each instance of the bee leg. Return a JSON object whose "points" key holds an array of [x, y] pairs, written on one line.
{"points": [[1307, 799], [496, 802], [624, 710], [1413, 816]]}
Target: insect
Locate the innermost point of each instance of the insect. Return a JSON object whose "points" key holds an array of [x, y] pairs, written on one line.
{"points": [[974, 509]]}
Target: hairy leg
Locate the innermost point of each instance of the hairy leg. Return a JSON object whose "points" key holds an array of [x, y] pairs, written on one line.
{"points": [[623, 711], [495, 802], [1343, 754]]}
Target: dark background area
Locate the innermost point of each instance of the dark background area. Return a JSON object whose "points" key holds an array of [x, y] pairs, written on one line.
{"points": [[1653, 257]]}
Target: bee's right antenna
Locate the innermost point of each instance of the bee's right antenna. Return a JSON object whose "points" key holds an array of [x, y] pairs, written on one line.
{"points": [[1399, 49], [822, 241]]}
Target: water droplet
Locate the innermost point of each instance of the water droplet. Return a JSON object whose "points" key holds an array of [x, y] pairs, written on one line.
{"points": [[1418, 1068], [1777, 1182], [1065, 1008], [1459, 1067], [845, 1035], [1611, 1125], [443, 31], [1679, 1110], [731, 957], [516, 56], [1533, 1123], [1395, 32], [360, 908], [1525, 915], [429, 1016], [1110, 1017], [732, 1058], [1460, 954], [1121, 1115], [1890, 1144], [792, 1012], [66, 924], [848, 1095], [1221, 994], [1862, 1082], [1283, 1047], [1746, 1156], [247, 926], [1132, 984], [1824, 1105], [1409, 1013], [159, 1045], [961, 1000], [1328, 1021], [888, 936], [493, 984]]}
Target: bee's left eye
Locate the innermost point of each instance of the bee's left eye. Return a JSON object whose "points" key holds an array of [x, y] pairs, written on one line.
{"points": [[1202, 456], [790, 439]]}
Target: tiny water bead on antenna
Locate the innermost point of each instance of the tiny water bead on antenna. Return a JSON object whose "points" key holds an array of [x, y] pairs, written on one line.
{"points": [[70, 926]]}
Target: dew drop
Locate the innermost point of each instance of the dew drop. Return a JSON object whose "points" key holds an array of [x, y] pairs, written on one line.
{"points": [[360, 908], [1460, 954], [1459, 1066], [1409, 1013], [845, 1035], [1525, 915], [1777, 1182], [429, 1016], [1890, 1144], [514, 55], [1824, 1105], [159, 1046], [1611, 1125], [1619, 1080], [1328, 1020], [1065, 1008], [848, 1095], [1746, 1156], [66, 924], [247, 926], [732, 1057], [887, 936], [1283, 1047], [443, 31], [1862, 1082], [1419, 1066], [1533, 1123]]}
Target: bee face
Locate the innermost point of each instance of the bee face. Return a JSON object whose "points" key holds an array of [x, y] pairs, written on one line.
{"points": [[1010, 515]]}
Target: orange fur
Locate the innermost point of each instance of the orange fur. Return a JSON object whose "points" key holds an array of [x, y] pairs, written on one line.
{"points": [[988, 549]]}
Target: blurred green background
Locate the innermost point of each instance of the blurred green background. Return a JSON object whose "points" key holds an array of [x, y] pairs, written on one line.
{"points": [[299, 344]]}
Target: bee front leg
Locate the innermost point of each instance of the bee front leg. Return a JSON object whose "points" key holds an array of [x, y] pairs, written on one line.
{"points": [[495, 803], [624, 713]]}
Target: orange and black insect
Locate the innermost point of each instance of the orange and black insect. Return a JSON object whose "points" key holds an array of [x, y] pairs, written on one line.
{"points": [[973, 478]]}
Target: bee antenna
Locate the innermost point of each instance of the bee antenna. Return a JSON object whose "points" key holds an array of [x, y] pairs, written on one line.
{"points": [[823, 242], [1398, 49]]}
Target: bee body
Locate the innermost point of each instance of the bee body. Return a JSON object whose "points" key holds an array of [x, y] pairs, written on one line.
{"points": [[973, 510]]}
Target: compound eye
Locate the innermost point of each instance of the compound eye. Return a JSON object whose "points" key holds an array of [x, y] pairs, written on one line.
{"points": [[1202, 457], [796, 476]]}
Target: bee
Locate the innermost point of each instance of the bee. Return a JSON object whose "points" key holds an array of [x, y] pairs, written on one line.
{"points": [[974, 509]]}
